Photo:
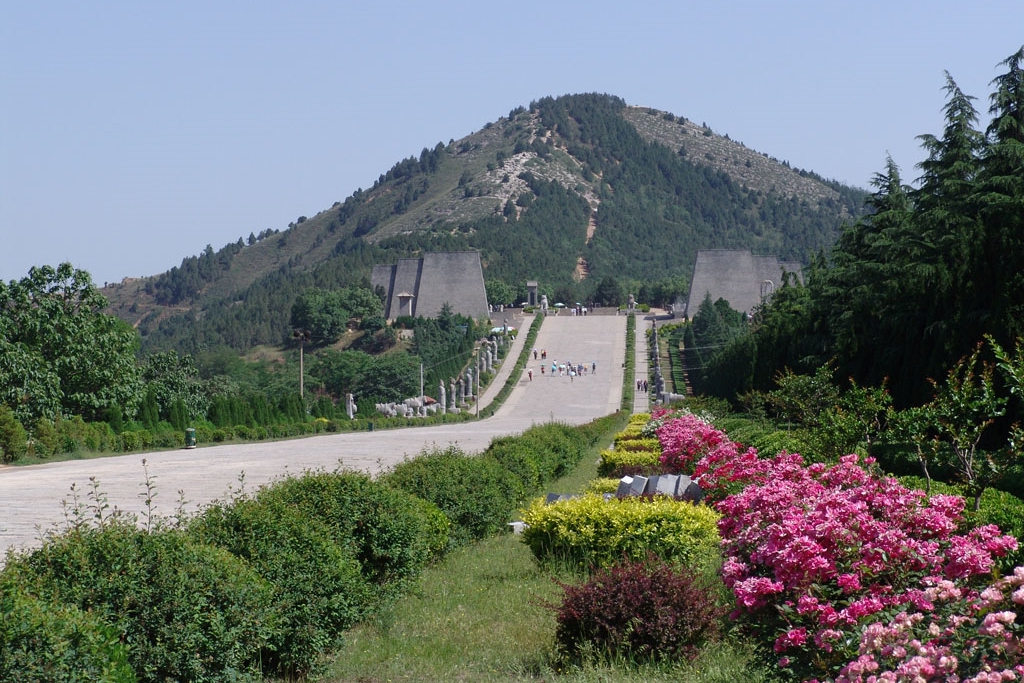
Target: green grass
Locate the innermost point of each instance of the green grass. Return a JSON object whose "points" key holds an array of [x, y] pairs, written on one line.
{"points": [[480, 615]]}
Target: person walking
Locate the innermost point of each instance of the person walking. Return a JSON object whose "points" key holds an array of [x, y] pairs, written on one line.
{"points": [[530, 373]]}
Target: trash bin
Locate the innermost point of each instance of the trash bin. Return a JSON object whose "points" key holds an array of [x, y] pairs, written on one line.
{"points": [[369, 426], [190, 438]]}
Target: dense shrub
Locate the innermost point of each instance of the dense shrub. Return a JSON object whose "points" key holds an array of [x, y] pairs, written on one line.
{"points": [[558, 447], [99, 437], [529, 466], [640, 610], [543, 453], [685, 439], [136, 440], [826, 562], [46, 439], [169, 439], [950, 634], [43, 641], [476, 493], [318, 591], [204, 433], [187, 611], [772, 442], [590, 530], [394, 533], [13, 438], [815, 553]]}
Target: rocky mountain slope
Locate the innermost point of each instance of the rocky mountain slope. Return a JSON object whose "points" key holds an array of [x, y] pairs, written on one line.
{"points": [[569, 191]]}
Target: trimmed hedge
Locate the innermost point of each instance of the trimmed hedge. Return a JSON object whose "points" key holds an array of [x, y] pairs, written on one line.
{"points": [[630, 432], [614, 461], [637, 444], [602, 485], [591, 531]]}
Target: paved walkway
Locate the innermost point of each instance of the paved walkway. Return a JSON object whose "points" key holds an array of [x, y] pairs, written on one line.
{"points": [[641, 399], [30, 497]]}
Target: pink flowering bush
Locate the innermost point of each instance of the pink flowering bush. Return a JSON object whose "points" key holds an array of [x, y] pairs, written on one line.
{"points": [[951, 634], [685, 439], [814, 553]]}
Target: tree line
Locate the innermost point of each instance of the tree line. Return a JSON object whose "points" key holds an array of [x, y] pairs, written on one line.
{"points": [[73, 377], [920, 299]]}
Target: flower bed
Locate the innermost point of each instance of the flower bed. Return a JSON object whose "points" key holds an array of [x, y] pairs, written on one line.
{"points": [[819, 557]]}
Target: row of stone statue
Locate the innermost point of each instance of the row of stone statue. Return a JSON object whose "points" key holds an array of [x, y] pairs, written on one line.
{"points": [[460, 392]]}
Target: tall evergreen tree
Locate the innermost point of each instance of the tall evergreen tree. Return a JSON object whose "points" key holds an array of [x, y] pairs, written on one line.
{"points": [[948, 224], [1000, 202], [861, 295]]}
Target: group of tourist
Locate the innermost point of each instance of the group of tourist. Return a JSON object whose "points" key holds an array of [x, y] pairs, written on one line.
{"points": [[566, 369]]}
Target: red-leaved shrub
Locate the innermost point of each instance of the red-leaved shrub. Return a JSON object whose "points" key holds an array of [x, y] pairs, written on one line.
{"points": [[645, 610]]}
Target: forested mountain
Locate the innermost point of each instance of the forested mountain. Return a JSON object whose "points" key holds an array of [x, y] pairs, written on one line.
{"points": [[572, 191]]}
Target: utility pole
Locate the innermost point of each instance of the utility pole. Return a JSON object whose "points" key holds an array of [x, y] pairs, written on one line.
{"points": [[302, 336]]}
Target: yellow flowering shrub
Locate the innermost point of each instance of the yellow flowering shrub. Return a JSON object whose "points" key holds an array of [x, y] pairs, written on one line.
{"points": [[630, 433], [591, 531], [612, 460], [638, 444], [602, 485]]}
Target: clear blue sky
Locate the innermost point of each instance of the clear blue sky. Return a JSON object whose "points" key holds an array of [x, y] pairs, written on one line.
{"points": [[133, 134]]}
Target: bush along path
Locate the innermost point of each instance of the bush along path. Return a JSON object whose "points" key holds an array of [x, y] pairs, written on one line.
{"points": [[263, 583]]}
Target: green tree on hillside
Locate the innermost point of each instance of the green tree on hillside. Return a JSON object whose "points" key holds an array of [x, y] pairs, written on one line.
{"points": [[325, 313], [500, 292], [609, 293]]}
